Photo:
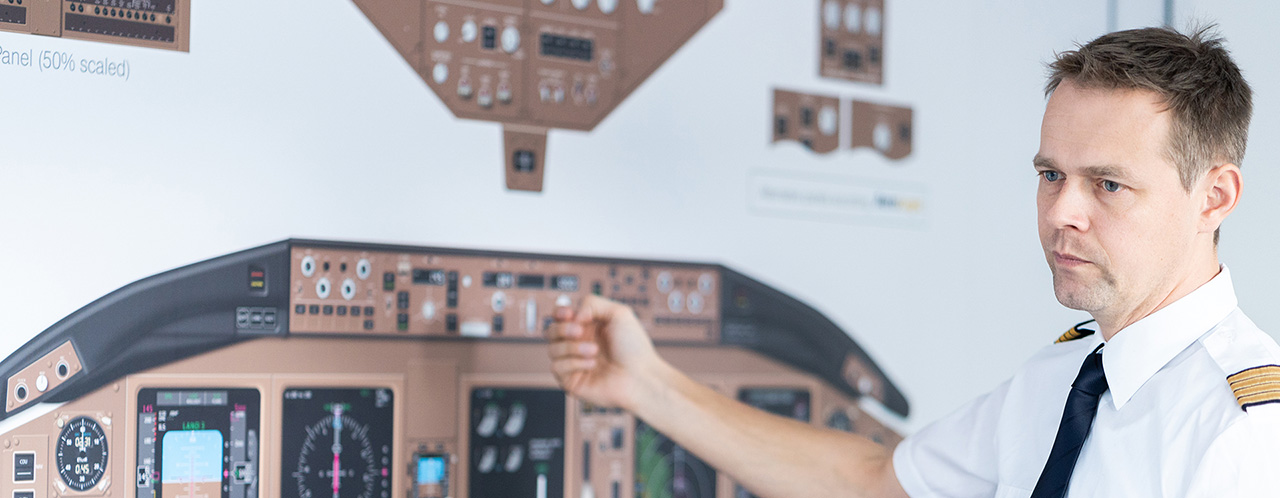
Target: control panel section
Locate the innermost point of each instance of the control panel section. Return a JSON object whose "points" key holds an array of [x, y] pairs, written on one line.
{"points": [[336, 442], [198, 442], [812, 120], [431, 468], [24, 465], [548, 63], [607, 459], [883, 128], [147, 23], [536, 64], [516, 442], [38, 378], [494, 296], [851, 40]]}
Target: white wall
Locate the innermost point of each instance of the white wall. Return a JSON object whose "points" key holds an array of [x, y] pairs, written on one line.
{"points": [[315, 127]]}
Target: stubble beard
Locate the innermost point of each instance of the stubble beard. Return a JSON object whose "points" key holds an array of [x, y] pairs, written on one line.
{"points": [[1091, 293]]}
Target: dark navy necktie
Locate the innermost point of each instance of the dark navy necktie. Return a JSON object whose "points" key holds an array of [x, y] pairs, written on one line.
{"points": [[1077, 418]]}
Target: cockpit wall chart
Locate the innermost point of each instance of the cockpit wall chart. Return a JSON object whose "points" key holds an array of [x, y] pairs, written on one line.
{"points": [[316, 368], [533, 65]]}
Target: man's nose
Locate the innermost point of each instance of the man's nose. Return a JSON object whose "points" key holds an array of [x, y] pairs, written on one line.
{"points": [[1068, 208]]}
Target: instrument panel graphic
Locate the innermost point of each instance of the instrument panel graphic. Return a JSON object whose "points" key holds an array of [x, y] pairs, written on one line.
{"points": [[163, 24], [223, 382], [340, 443], [851, 40], [815, 122], [517, 442], [82, 453], [885, 128], [198, 443], [812, 120], [536, 65]]}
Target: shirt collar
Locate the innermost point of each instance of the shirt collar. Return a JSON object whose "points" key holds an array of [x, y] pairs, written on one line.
{"points": [[1140, 350]]}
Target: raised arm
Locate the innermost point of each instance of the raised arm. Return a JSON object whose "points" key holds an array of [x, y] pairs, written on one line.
{"points": [[601, 354]]}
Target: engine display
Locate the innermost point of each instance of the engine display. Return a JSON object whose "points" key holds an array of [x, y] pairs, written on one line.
{"points": [[337, 442], [517, 442], [82, 453], [198, 443]]}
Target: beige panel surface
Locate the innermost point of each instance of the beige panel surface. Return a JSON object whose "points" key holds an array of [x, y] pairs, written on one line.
{"points": [[431, 382]]}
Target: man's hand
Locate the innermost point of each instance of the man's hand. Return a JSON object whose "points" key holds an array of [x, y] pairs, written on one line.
{"points": [[601, 354]]}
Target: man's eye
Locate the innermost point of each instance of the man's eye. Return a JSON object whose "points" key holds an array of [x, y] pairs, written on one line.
{"points": [[1110, 186], [1051, 176]]}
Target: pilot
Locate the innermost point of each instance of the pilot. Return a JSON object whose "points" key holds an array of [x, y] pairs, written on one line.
{"points": [[1170, 390]]}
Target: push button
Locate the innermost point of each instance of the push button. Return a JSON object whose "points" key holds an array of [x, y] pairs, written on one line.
{"points": [[24, 467]]}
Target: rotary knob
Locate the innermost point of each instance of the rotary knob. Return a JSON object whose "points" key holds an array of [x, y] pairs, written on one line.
{"points": [[510, 39]]}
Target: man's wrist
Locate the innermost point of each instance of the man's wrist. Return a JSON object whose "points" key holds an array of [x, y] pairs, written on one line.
{"points": [[651, 386]]}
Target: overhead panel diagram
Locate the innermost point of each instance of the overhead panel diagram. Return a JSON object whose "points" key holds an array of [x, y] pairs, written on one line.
{"points": [[885, 128], [812, 120], [815, 122], [146, 23], [536, 64], [851, 40]]}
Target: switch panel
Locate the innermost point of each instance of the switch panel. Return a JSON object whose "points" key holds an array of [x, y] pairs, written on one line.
{"points": [[161, 24], [46, 374], [536, 64], [812, 120], [884, 128], [851, 40]]}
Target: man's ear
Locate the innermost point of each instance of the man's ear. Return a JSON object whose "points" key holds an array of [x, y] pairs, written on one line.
{"points": [[1221, 192]]}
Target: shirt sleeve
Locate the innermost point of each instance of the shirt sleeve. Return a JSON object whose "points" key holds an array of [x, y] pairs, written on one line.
{"points": [[1243, 461], [954, 457]]}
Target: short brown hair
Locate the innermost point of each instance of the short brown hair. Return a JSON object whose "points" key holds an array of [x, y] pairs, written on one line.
{"points": [[1194, 76]]}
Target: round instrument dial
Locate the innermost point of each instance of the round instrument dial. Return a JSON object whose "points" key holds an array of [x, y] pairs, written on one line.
{"points": [[339, 456], [82, 453], [340, 445]]}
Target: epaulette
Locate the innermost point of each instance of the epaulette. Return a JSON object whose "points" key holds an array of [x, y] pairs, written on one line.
{"points": [[1076, 332], [1256, 386]]}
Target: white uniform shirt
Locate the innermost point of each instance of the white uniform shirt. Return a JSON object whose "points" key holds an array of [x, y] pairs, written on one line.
{"points": [[1168, 426]]}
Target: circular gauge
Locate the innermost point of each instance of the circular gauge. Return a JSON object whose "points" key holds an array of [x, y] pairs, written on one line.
{"points": [[337, 455], [82, 453], [340, 445]]}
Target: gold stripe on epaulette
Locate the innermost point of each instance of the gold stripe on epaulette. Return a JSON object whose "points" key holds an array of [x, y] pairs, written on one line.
{"points": [[1075, 333], [1256, 386]]}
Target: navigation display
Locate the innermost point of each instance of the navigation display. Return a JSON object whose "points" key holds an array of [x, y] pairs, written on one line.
{"points": [[198, 443], [336, 442]]}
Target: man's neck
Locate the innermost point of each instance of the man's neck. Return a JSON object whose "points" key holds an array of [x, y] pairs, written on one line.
{"points": [[1111, 324]]}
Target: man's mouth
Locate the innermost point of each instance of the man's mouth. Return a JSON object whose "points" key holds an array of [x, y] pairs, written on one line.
{"points": [[1068, 260]]}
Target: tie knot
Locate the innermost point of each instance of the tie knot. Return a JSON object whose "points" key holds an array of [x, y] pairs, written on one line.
{"points": [[1091, 380]]}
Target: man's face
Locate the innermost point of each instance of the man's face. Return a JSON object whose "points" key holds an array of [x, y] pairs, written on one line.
{"points": [[1116, 225]]}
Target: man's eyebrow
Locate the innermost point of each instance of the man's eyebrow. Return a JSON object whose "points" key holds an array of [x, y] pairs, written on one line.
{"points": [[1110, 171], [1105, 171], [1042, 162]]}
